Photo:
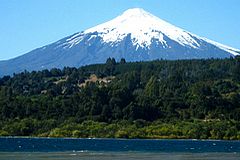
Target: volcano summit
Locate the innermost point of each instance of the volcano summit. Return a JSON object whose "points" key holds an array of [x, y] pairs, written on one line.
{"points": [[136, 35]]}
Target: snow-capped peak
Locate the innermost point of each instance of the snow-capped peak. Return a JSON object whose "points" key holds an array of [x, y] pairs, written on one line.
{"points": [[136, 35], [143, 27]]}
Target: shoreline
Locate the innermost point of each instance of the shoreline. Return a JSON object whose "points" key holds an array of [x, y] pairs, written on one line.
{"points": [[97, 138]]}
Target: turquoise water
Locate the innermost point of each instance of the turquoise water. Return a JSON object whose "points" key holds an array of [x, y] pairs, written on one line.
{"points": [[116, 149]]}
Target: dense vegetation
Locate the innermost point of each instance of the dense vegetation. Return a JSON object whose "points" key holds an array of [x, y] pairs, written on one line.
{"points": [[158, 99]]}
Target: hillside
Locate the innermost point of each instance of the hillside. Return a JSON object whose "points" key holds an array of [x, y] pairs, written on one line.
{"points": [[157, 99]]}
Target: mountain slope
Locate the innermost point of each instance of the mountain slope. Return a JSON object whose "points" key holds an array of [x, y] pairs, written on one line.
{"points": [[136, 35]]}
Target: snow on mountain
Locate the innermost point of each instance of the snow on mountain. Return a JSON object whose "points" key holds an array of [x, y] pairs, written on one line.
{"points": [[231, 50], [143, 27], [136, 35]]}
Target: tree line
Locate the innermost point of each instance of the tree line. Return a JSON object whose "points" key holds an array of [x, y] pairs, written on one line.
{"points": [[192, 92]]}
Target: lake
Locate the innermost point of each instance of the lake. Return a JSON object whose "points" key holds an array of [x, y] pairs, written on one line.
{"points": [[108, 149]]}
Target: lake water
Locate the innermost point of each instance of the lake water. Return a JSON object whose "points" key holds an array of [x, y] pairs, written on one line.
{"points": [[116, 149]]}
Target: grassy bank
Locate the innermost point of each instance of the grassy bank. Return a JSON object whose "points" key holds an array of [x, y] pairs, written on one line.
{"points": [[195, 129]]}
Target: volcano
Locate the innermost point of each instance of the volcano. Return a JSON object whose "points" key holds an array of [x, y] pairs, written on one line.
{"points": [[135, 35]]}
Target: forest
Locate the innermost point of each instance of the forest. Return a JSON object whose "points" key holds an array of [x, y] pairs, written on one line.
{"points": [[197, 99]]}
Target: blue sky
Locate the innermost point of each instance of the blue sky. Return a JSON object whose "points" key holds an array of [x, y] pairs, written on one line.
{"points": [[29, 24]]}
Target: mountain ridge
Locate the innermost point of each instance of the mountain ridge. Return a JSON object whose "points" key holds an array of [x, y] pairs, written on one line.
{"points": [[136, 35]]}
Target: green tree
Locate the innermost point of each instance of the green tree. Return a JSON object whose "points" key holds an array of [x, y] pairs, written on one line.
{"points": [[152, 87]]}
